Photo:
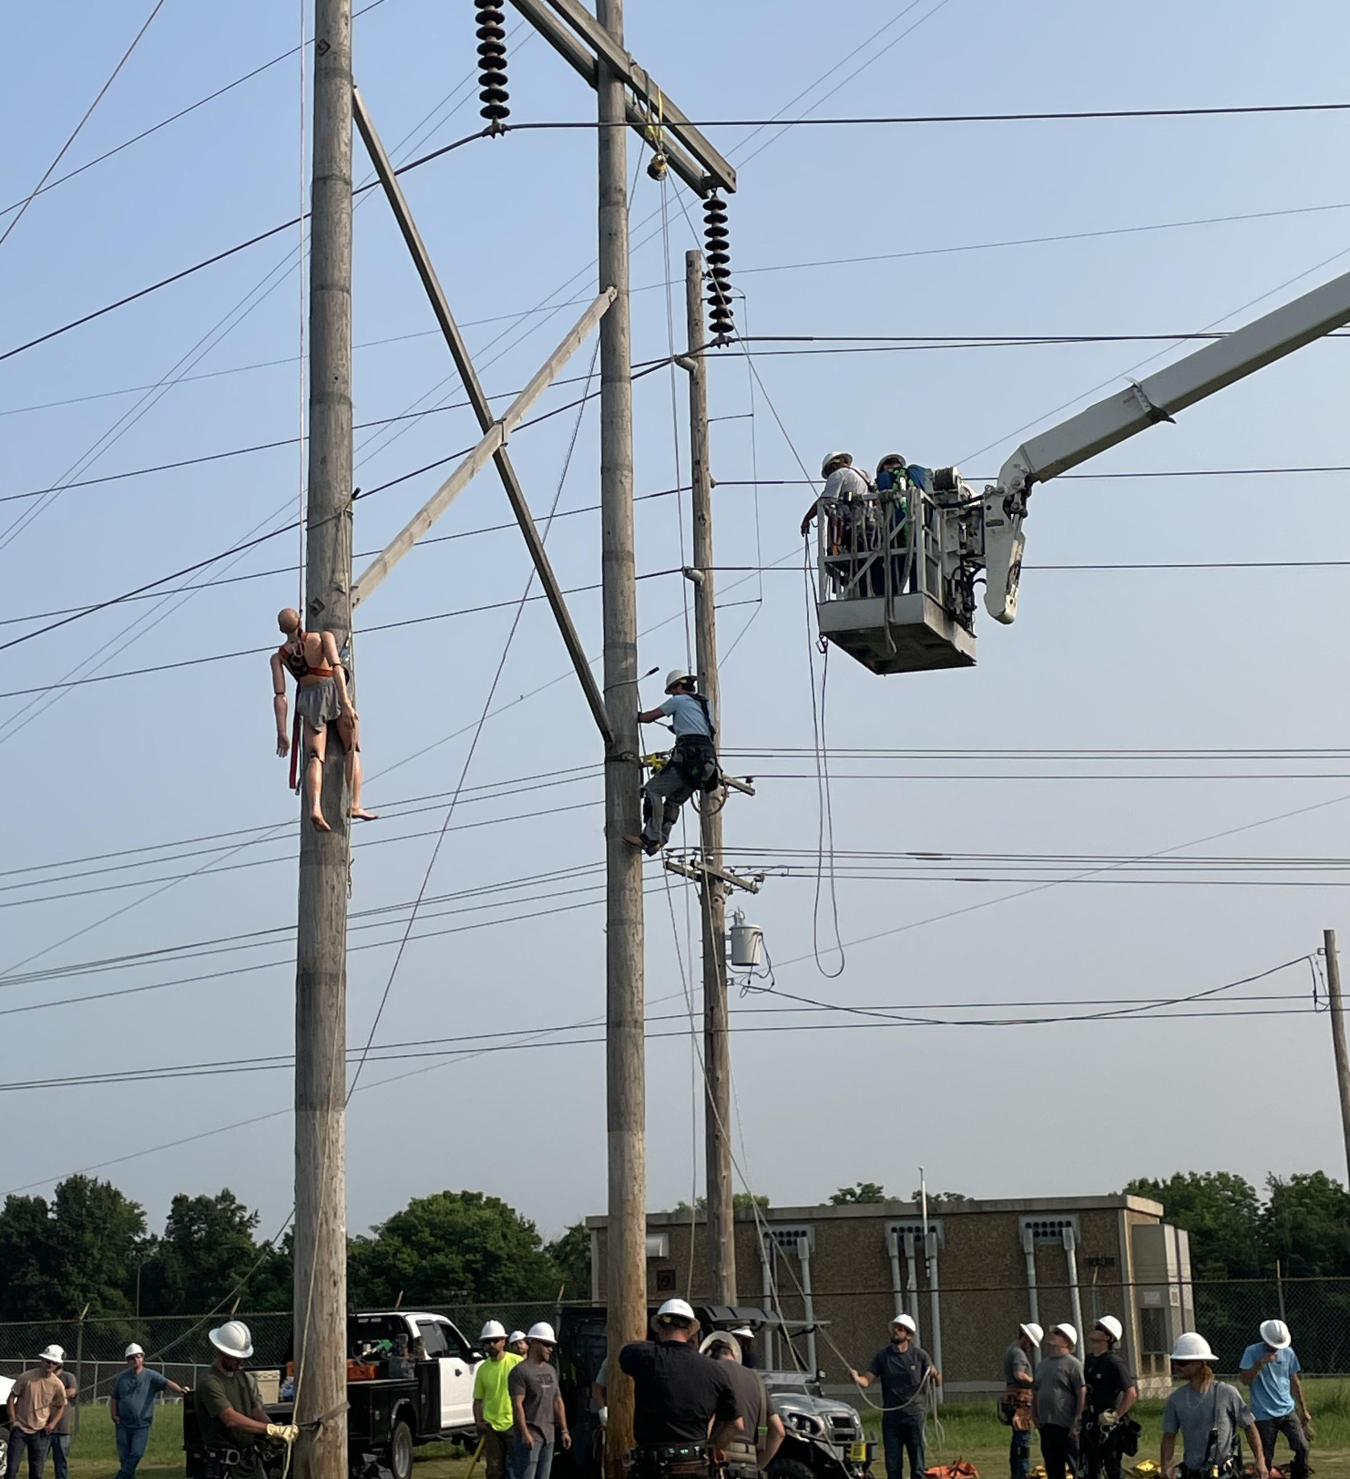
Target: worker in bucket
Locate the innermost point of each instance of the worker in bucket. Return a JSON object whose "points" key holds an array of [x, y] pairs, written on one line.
{"points": [[1210, 1415], [692, 766], [1270, 1369], [904, 1370], [1111, 1392], [685, 1409], [1014, 1408], [322, 701], [843, 484]]}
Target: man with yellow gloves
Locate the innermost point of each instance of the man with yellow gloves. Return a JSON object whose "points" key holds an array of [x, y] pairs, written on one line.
{"points": [[229, 1409]]}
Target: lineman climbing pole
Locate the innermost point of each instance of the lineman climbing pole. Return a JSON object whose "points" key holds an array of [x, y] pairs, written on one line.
{"points": [[320, 1311]]}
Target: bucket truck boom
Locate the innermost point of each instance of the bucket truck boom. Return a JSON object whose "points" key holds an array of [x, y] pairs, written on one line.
{"points": [[897, 572]]}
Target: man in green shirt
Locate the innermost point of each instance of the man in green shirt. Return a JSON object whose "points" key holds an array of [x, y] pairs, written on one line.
{"points": [[229, 1410], [491, 1400]]}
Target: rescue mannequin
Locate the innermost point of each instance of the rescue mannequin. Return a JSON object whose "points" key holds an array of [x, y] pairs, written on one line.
{"points": [[321, 699]]}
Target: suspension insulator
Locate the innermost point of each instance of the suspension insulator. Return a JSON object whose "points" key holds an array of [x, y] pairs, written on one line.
{"points": [[716, 236], [492, 63]]}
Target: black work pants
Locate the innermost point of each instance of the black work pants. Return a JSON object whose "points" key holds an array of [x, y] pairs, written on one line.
{"points": [[1271, 1427], [1100, 1455], [1059, 1452]]}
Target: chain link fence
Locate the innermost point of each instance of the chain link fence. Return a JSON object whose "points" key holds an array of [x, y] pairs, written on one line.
{"points": [[1228, 1314]]}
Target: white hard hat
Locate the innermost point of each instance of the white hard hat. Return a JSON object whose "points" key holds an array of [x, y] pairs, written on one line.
{"points": [[1275, 1333], [907, 1321], [514, 1336], [133, 1350], [675, 1309], [743, 1332], [233, 1338], [542, 1331], [1033, 1332], [722, 1338], [678, 675], [1192, 1347], [493, 1330], [1067, 1331], [53, 1353], [1112, 1326], [834, 457]]}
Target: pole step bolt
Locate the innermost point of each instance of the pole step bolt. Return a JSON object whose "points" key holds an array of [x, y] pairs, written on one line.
{"points": [[492, 63], [719, 273]]}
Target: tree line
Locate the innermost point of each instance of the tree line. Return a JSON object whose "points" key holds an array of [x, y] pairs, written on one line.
{"points": [[90, 1245]]}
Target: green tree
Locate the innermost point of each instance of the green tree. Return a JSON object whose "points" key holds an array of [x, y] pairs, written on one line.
{"points": [[453, 1244], [207, 1255], [741, 1201], [860, 1192], [29, 1289], [571, 1256], [1306, 1225], [1220, 1211], [941, 1198]]}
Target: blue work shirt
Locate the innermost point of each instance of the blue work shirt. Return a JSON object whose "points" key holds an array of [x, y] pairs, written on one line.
{"points": [[135, 1393], [1271, 1396], [689, 715]]}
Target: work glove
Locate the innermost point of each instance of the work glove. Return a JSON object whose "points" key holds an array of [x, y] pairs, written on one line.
{"points": [[283, 1432], [1106, 1421]]}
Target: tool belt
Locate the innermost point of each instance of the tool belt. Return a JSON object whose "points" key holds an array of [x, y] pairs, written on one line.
{"points": [[742, 1461], [1014, 1409], [694, 758], [653, 1460]]}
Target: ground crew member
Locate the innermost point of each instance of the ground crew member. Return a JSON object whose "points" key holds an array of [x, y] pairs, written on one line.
{"points": [[60, 1443], [762, 1430], [517, 1344], [678, 1396], [1058, 1396], [904, 1370], [492, 1410], [1019, 1364], [36, 1401], [230, 1414], [321, 699], [132, 1407], [745, 1338], [692, 765], [537, 1407], [1270, 1368], [1111, 1392], [1209, 1415]]}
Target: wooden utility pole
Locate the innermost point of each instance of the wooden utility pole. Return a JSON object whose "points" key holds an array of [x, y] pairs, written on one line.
{"points": [[1338, 1039], [716, 1044], [625, 1071], [320, 1314]]}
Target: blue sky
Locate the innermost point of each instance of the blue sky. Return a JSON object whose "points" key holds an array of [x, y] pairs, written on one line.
{"points": [[1156, 660]]}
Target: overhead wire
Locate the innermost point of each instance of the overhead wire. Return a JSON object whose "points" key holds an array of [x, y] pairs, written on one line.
{"points": [[23, 205]]}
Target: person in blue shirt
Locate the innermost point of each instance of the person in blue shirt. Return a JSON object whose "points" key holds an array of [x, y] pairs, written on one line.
{"points": [[132, 1408], [692, 765], [1270, 1369]]}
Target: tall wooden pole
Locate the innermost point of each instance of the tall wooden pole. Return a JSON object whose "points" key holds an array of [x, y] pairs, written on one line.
{"points": [[716, 1043], [320, 1318], [1338, 1039], [626, 1246]]}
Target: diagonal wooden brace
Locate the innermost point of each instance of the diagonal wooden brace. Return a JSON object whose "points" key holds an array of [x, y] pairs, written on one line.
{"points": [[374, 573], [483, 410]]}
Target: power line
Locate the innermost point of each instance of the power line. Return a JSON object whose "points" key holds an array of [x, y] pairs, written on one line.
{"points": [[75, 133], [172, 118]]}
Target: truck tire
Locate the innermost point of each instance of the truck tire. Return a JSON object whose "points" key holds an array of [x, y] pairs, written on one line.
{"points": [[398, 1456]]}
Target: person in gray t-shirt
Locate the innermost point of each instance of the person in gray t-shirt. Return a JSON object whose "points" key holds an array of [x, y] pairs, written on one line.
{"points": [[1019, 1364], [1058, 1395], [1208, 1414]]}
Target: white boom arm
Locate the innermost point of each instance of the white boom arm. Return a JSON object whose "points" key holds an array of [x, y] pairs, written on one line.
{"points": [[1126, 412]]}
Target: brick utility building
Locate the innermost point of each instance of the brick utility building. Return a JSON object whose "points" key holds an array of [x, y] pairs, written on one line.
{"points": [[837, 1275]]}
